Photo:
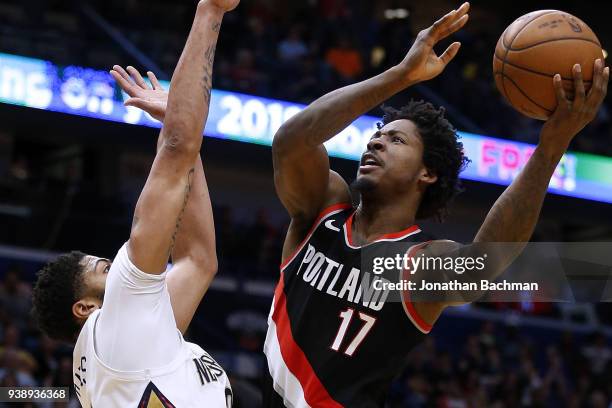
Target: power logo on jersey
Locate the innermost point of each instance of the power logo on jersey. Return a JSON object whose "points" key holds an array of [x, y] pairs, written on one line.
{"points": [[153, 398]]}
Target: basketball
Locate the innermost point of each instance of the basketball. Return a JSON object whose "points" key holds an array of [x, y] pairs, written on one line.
{"points": [[533, 49]]}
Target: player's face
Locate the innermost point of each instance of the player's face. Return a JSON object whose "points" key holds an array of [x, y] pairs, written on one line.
{"points": [[393, 160], [95, 272]]}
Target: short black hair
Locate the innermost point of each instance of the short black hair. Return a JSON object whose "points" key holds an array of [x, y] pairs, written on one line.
{"points": [[442, 154], [59, 284]]}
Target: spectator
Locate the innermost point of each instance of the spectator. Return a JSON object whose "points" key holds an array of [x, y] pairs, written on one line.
{"points": [[292, 48], [597, 353], [345, 60]]}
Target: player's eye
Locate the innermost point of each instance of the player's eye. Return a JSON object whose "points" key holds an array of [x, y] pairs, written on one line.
{"points": [[107, 268], [397, 139]]}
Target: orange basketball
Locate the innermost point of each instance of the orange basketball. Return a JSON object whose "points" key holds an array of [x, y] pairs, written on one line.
{"points": [[533, 49]]}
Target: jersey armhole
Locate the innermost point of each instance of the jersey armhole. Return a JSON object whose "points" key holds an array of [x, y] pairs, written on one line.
{"points": [[407, 303], [326, 212]]}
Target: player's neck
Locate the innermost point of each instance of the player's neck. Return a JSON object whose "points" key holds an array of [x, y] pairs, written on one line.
{"points": [[373, 219]]}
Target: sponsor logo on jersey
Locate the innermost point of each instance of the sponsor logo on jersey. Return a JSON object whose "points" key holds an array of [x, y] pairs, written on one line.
{"points": [[329, 224]]}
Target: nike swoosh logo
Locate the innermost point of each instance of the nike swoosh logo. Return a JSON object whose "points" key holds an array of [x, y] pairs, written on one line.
{"points": [[331, 226]]}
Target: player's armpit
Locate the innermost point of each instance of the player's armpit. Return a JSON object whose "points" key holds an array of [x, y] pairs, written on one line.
{"points": [[301, 177], [337, 193], [187, 285]]}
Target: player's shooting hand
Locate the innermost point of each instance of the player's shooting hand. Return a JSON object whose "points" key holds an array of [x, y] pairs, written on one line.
{"points": [[422, 63], [571, 116], [151, 99]]}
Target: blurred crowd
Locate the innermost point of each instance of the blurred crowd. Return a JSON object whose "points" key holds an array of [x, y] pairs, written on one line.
{"points": [[296, 50], [506, 367], [27, 357], [493, 366]]}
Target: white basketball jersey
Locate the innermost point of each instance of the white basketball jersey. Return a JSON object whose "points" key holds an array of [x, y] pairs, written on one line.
{"points": [[150, 367]]}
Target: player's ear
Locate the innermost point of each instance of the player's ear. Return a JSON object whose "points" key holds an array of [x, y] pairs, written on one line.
{"points": [[428, 176], [82, 308]]}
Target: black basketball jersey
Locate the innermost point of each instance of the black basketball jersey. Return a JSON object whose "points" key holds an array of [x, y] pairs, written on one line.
{"points": [[331, 342]]}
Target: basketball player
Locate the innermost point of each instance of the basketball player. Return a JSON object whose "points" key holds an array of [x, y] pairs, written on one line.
{"points": [[127, 317], [327, 344]]}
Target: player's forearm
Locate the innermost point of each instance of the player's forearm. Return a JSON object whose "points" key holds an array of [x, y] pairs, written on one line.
{"points": [[514, 215], [196, 238], [511, 220], [331, 113], [189, 96]]}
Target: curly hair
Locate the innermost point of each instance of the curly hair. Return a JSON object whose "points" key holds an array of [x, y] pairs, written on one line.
{"points": [[442, 154], [58, 286]]}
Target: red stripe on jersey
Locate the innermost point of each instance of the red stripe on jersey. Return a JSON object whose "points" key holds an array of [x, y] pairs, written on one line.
{"points": [[321, 215], [315, 393], [409, 306], [393, 235]]}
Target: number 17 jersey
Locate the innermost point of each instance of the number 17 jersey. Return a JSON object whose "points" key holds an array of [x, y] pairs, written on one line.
{"points": [[335, 338]]}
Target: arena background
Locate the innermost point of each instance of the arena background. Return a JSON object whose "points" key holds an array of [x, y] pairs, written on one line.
{"points": [[70, 173]]}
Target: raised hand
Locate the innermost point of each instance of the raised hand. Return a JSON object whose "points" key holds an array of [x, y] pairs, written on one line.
{"points": [[422, 63], [152, 100], [571, 116]]}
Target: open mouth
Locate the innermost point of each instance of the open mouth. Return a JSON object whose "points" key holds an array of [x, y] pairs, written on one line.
{"points": [[369, 162]]}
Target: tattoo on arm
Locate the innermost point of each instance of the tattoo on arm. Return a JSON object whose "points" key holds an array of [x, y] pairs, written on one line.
{"points": [[180, 216], [514, 216], [209, 57]]}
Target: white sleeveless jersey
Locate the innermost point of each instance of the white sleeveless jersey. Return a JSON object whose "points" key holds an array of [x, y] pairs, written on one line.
{"points": [[122, 362]]}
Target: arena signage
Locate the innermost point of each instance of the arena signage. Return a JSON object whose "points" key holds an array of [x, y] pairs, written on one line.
{"points": [[82, 91]]}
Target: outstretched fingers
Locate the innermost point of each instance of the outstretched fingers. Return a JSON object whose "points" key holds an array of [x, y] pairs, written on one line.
{"points": [[456, 26], [137, 77], [450, 23], [123, 79]]}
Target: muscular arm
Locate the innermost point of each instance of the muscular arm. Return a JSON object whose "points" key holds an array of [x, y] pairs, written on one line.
{"points": [[302, 175], [194, 257], [163, 201], [514, 215], [301, 165]]}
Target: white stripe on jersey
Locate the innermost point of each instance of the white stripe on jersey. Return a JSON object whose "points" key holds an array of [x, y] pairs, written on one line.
{"points": [[285, 383]]}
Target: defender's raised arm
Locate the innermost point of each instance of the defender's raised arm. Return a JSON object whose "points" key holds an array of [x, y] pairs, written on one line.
{"points": [[194, 258], [162, 203]]}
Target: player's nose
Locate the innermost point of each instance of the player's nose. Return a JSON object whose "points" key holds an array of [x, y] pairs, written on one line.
{"points": [[376, 144]]}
